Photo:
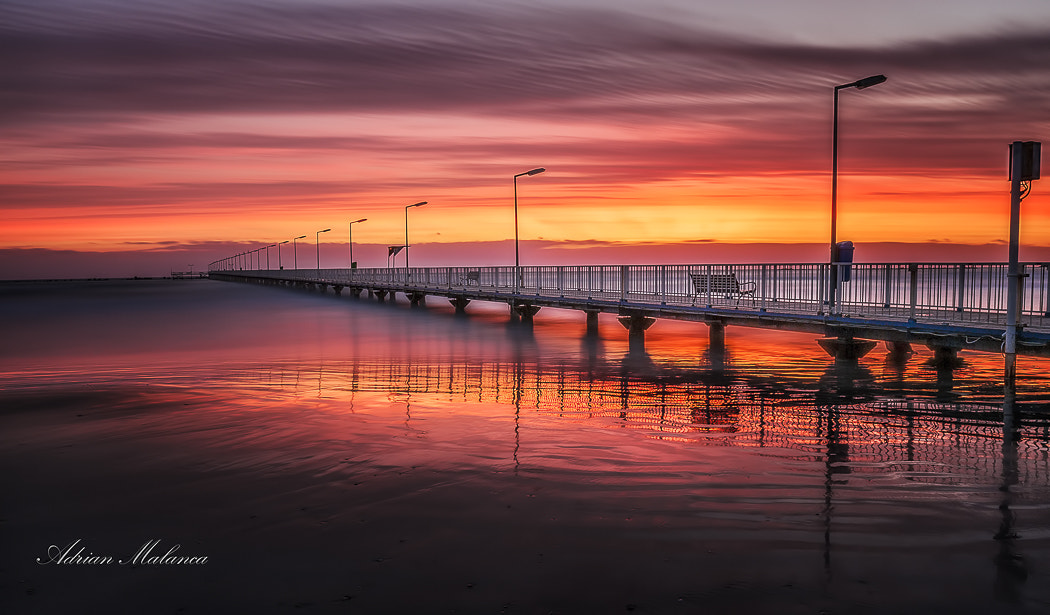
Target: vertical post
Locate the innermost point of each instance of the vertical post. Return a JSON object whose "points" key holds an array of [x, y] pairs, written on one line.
{"points": [[833, 269], [913, 284], [517, 256], [663, 284], [762, 286], [960, 281], [1046, 290], [889, 287], [1012, 277]]}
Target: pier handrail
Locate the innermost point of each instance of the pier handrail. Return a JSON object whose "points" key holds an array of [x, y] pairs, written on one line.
{"points": [[951, 293]]}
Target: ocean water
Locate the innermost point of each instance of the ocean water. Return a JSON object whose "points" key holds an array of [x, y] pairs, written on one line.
{"points": [[327, 454]]}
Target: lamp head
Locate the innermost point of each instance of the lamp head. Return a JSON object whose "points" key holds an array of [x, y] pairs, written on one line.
{"points": [[324, 231], [300, 237], [867, 82], [535, 171], [361, 220], [419, 204]]}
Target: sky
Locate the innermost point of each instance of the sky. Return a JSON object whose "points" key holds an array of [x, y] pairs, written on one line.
{"points": [[140, 136]]}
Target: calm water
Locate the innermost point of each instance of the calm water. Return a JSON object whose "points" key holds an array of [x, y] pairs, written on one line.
{"points": [[333, 455]]}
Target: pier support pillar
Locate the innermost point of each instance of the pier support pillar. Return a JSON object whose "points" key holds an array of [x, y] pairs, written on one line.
{"points": [[717, 333], [417, 299], [355, 293], [636, 326], [945, 356], [899, 351], [338, 290], [592, 322], [525, 310], [846, 348], [380, 294], [460, 303]]}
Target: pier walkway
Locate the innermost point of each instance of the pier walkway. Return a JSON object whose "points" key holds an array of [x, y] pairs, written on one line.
{"points": [[947, 307]]}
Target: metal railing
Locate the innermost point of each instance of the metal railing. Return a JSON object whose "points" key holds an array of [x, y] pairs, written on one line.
{"points": [[948, 293]]}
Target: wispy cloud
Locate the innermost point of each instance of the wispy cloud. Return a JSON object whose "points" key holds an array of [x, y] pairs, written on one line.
{"points": [[142, 106], [116, 58]]}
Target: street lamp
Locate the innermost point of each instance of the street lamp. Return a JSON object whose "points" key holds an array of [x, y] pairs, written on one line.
{"points": [[517, 260], [268, 255], [295, 252], [860, 84], [407, 207], [350, 236], [317, 238], [279, 265]]}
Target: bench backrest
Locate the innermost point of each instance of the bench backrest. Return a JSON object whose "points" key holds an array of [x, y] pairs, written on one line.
{"points": [[715, 282]]}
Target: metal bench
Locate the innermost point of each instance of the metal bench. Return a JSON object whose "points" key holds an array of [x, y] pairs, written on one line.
{"points": [[724, 284], [472, 277]]}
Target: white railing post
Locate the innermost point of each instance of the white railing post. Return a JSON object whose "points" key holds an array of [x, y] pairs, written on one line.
{"points": [[762, 286], [913, 269], [663, 284]]}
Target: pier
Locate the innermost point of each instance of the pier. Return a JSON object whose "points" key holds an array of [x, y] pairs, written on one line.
{"points": [[946, 307]]}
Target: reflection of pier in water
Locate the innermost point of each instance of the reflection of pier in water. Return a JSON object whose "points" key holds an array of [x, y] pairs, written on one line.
{"points": [[920, 437], [980, 454]]}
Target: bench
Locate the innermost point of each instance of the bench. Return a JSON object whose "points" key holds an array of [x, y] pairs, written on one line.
{"points": [[724, 284], [472, 277]]}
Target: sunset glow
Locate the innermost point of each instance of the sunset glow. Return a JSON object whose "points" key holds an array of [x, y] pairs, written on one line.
{"points": [[136, 127]]}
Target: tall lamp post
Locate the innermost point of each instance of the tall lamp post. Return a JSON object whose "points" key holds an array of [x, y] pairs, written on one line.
{"points": [[295, 252], [317, 238], [407, 207], [268, 255], [350, 237], [279, 265], [860, 84], [517, 258]]}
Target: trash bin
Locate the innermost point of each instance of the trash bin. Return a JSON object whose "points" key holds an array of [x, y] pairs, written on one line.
{"points": [[845, 256]]}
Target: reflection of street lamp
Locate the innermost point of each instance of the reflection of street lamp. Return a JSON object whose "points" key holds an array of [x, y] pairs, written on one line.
{"points": [[350, 237], [407, 207], [317, 237], [279, 265], [517, 260], [860, 84], [295, 252]]}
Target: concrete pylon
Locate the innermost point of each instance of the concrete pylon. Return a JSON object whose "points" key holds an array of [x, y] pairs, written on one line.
{"points": [[525, 310], [636, 325], [460, 303], [592, 322], [716, 331], [846, 348]]}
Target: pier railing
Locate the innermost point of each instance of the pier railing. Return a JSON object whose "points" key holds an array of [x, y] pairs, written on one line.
{"points": [[949, 293]]}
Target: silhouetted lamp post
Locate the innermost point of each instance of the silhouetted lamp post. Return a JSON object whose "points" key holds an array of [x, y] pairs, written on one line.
{"points": [[279, 265], [350, 236], [317, 238], [268, 255], [407, 207], [517, 258], [860, 84], [295, 252]]}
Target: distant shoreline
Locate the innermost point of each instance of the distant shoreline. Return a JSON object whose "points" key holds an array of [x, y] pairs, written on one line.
{"points": [[131, 279]]}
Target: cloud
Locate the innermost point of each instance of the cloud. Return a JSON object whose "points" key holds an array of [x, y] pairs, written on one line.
{"points": [[110, 58]]}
